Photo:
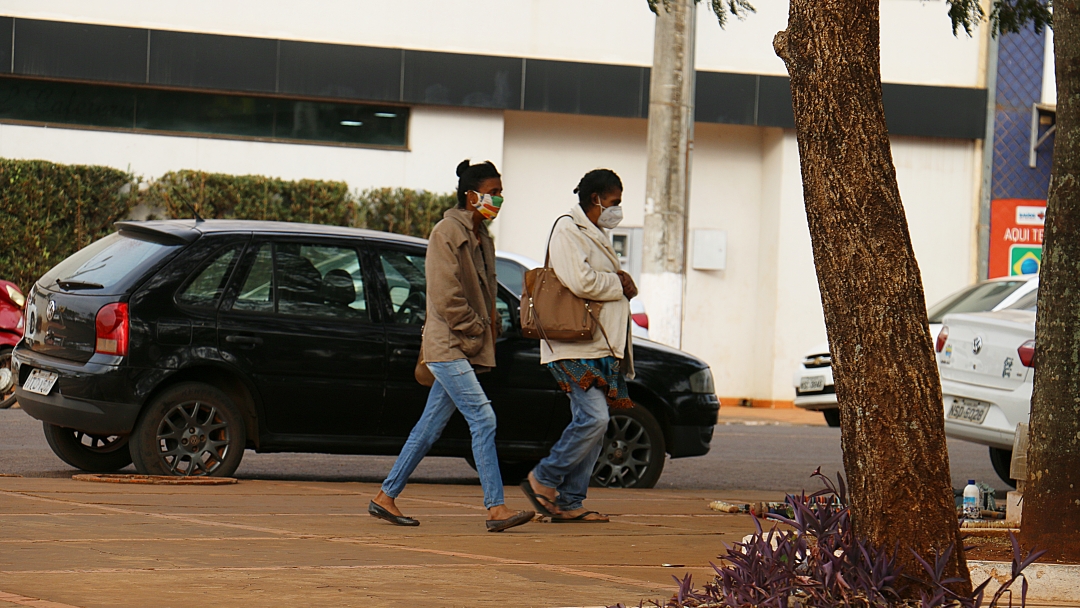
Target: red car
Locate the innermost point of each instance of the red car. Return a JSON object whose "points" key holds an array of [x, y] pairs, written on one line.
{"points": [[11, 331]]}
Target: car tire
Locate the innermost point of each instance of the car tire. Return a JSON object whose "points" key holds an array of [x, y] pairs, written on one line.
{"points": [[191, 429], [90, 453], [511, 471], [633, 451], [7, 378], [1002, 461], [832, 417]]}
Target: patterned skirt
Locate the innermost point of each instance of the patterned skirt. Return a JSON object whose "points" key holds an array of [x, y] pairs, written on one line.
{"points": [[601, 373]]}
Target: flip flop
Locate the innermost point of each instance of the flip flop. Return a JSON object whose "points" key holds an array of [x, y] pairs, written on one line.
{"points": [[519, 518], [535, 499], [580, 519]]}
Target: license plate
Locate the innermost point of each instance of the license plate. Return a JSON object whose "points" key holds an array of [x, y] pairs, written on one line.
{"points": [[968, 410], [809, 384], [40, 381]]}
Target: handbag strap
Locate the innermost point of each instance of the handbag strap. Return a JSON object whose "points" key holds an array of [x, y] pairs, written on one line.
{"points": [[547, 248], [604, 333]]}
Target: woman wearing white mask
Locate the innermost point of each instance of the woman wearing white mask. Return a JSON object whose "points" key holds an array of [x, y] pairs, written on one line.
{"points": [[594, 373]]}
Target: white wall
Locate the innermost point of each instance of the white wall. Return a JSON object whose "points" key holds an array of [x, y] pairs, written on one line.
{"points": [[753, 321], [917, 45], [438, 138]]}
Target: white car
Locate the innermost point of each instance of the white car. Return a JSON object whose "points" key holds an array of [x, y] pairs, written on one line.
{"points": [[813, 378], [510, 268], [986, 364]]}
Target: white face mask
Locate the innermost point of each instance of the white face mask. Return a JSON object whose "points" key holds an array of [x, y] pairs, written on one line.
{"points": [[610, 217]]}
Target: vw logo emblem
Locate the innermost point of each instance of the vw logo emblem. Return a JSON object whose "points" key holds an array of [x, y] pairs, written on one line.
{"points": [[50, 311], [976, 346]]}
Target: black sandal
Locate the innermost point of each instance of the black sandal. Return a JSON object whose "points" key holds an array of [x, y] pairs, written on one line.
{"points": [[519, 518], [580, 519], [376, 511], [535, 499]]}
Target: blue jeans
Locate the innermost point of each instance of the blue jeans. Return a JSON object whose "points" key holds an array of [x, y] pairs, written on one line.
{"points": [[455, 386], [569, 466]]}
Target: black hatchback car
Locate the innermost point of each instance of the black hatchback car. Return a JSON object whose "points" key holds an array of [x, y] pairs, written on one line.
{"points": [[177, 344]]}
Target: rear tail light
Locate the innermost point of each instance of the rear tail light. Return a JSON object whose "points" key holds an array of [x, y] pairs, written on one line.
{"points": [[641, 319], [1027, 353], [112, 329], [942, 336]]}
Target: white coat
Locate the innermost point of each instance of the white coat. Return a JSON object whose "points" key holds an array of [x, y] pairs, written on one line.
{"points": [[585, 262]]}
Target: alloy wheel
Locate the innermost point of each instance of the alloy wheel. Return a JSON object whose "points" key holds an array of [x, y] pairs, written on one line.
{"points": [[7, 381], [100, 444], [193, 439], [626, 455]]}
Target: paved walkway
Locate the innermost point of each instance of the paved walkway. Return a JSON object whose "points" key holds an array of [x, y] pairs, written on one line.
{"points": [[264, 543]]}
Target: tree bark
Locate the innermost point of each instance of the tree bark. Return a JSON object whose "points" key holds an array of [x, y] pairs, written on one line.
{"points": [[893, 430], [1052, 492]]}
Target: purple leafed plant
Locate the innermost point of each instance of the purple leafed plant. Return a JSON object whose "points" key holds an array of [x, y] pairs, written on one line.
{"points": [[818, 563]]}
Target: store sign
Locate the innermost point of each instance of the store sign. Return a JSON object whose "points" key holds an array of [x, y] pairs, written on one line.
{"points": [[1016, 236]]}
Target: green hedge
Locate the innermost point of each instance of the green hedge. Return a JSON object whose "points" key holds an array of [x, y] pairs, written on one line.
{"points": [[253, 197], [49, 211], [401, 210]]}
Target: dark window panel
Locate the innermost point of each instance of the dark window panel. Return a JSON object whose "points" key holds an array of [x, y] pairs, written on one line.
{"points": [[75, 50], [774, 102], [462, 80], [66, 103], [646, 82], [341, 123], [583, 88], [202, 113], [935, 111], [6, 23], [725, 98], [332, 70], [206, 61]]}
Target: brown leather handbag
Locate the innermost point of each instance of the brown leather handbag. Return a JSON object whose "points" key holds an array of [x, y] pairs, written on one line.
{"points": [[550, 311]]}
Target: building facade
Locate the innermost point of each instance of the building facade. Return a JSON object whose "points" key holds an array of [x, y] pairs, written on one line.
{"points": [[396, 94]]}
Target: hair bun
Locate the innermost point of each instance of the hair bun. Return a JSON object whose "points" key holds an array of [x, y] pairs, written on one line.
{"points": [[575, 190], [462, 167]]}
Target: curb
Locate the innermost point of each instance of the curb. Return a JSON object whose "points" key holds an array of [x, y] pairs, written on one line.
{"points": [[163, 480], [1046, 582]]}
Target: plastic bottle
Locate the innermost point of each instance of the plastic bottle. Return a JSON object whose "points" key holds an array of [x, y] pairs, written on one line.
{"points": [[971, 500]]}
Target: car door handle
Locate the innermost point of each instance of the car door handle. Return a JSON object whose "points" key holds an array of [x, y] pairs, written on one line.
{"points": [[402, 352], [244, 340]]}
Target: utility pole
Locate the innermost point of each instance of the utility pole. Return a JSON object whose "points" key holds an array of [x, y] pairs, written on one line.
{"points": [[667, 180]]}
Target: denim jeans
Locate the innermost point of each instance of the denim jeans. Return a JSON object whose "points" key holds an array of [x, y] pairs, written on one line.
{"points": [[570, 464], [455, 386]]}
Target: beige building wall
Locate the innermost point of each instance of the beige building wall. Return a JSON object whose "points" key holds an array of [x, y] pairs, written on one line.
{"points": [[755, 320]]}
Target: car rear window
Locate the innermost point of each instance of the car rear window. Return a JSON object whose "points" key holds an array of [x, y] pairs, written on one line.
{"points": [[1026, 302], [115, 262], [977, 298]]}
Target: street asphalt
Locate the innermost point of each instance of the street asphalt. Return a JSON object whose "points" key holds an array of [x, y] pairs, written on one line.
{"points": [[761, 450]]}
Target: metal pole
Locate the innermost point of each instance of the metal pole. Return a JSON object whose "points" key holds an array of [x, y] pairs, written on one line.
{"points": [[983, 227]]}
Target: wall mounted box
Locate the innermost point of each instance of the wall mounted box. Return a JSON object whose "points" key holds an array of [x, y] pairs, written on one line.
{"points": [[710, 250]]}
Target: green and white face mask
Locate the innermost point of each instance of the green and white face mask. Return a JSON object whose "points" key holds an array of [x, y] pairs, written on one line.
{"points": [[488, 205]]}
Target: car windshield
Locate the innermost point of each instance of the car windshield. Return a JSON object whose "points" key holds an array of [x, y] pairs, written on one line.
{"points": [[976, 298], [1027, 301], [108, 266]]}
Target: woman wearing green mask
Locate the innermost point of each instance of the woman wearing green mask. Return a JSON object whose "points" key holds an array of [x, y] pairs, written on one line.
{"points": [[459, 342]]}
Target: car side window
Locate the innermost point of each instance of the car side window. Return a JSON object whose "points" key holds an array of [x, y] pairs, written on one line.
{"points": [[319, 281], [206, 288], [310, 280], [407, 283], [257, 292], [502, 306]]}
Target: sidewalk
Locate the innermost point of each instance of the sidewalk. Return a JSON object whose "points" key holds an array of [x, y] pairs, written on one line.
{"points": [[262, 543]]}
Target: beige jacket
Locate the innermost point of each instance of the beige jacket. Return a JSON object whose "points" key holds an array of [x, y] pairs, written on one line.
{"points": [[583, 259], [461, 288]]}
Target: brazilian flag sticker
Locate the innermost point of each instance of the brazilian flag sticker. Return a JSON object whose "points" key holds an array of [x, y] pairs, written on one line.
{"points": [[1025, 259]]}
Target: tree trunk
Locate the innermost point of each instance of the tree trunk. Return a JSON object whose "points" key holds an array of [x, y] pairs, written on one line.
{"points": [[1052, 492], [893, 430]]}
